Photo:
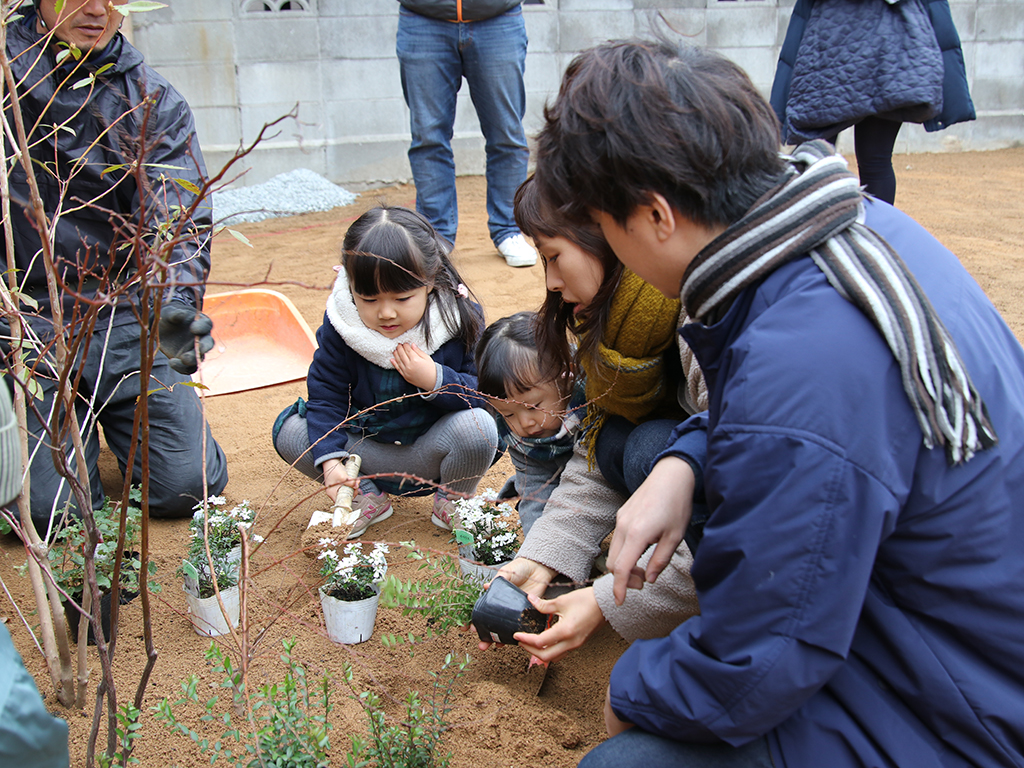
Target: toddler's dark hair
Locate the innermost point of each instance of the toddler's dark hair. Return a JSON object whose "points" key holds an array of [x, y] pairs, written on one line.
{"points": [[537, 217], [508, 361], [390, 249]]}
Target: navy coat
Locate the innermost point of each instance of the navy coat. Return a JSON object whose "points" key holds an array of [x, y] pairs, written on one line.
{"points": [[346, 389], [97, 155], [957, 106], [861, 601]]}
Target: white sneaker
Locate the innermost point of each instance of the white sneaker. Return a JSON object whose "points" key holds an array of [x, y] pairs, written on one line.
{"points": [[517, 252]]}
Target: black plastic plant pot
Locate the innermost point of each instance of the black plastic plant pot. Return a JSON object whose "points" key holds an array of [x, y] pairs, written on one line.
{"points": [[72, 616], [504, 609]]}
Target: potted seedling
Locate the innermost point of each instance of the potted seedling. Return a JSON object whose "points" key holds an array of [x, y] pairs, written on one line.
{"points": [[67, 560], [203, 606], [223, 531], [351, 589], [224, 526], [447, 599], [487, 533]]}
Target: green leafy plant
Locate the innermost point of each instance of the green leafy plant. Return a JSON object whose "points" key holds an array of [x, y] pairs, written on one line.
{"points": [[442, 595], [222, 525], [353, 576], [127, 732], [416, 740], [67, 553], [195, 569], [285, 723], [287, 726]]}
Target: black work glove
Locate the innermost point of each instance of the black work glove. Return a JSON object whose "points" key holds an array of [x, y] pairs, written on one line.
{"points": [[180, 326]]}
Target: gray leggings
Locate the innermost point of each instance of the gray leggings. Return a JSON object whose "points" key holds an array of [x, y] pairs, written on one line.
{"points": [[455, 452]]}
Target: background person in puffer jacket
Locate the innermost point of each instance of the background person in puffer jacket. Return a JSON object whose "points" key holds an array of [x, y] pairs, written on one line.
{"points": [[92, 156], [440, 42], [871, 75]]}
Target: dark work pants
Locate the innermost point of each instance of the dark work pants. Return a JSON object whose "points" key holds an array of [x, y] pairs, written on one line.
{"points": [[107, 397]]}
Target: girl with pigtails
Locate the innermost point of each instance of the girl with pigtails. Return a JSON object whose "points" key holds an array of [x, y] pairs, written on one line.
{"points": [[393, 379]]}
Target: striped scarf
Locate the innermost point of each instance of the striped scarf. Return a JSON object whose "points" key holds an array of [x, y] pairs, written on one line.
{"points": [[819, 209]]}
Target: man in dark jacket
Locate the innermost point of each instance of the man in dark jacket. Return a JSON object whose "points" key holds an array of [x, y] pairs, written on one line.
{"points": [[440, 42], [75, 71], [859, 574]]}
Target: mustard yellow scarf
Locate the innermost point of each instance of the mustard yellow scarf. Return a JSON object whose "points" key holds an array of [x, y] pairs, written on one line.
{"points": [[627, 376]]}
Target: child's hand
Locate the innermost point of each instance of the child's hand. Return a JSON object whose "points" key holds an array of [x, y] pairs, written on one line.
{"points": [[415, 366], [335, 476]]}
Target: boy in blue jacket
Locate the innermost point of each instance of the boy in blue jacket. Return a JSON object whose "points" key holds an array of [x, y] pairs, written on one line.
{"points": [[859, 575]]}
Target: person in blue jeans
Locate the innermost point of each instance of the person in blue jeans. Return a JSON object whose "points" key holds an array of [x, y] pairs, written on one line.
{"points": [[440, 42]]}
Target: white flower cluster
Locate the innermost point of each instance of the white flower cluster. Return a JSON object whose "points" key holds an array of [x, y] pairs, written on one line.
{"points": [[493, 525], [355, 565], [222, 524], [225, 538]]}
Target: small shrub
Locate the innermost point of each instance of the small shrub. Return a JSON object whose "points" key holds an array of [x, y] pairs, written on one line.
{"points": [[415, 741], [442, 595], [288, 725], [67, 553]]}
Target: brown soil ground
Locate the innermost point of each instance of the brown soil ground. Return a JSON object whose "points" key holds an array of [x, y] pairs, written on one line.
{"points": [[971, 202]]}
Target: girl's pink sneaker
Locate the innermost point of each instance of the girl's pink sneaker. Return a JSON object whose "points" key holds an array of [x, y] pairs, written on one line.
{"points": [[373, 507], [443, 515]]}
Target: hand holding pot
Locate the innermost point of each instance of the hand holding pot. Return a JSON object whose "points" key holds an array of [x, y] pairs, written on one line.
{"points": [[658, 512], [529, 575], [579, 616]]}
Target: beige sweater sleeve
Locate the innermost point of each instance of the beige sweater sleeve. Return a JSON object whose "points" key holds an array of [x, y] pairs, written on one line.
{"points": [[658, 608], [568, 536], [578, 515]]}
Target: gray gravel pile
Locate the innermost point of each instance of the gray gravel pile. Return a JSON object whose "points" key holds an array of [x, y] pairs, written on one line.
{"points": [[298, 191]]}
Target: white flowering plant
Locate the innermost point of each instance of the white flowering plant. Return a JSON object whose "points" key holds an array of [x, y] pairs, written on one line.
{"points": [[352, 575], [224, 529], [223, 524], [490, 528]]}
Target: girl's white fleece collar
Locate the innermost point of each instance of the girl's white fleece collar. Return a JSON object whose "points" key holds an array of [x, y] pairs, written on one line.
{"points": [[369, 344]]}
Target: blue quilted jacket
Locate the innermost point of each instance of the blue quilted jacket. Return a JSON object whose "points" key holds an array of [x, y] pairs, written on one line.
{"points": [[844, 81]]}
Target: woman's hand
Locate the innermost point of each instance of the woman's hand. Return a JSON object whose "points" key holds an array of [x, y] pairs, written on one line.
{"points": [[658, 511], [579, 616], [529, 575], [415, 366], [335, 476]]}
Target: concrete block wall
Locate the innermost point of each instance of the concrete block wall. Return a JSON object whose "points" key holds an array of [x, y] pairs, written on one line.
{"points": [[330, 67]]}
